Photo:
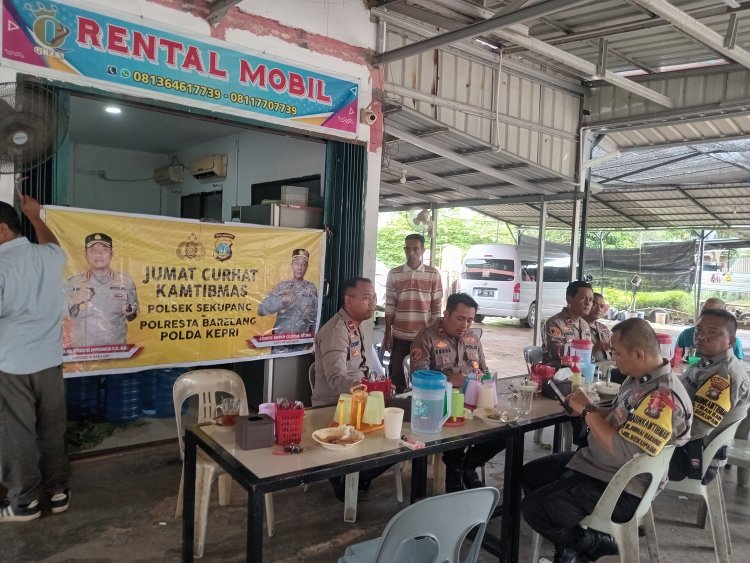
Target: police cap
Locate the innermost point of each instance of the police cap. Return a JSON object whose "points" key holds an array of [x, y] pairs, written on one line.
{"points": [[301, 253], [100, 238]]}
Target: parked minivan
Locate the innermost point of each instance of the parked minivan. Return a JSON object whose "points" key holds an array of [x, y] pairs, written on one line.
{"points": [[502, 280]]}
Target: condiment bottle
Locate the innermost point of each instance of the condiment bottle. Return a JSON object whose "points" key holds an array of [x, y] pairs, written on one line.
{"points": [[575, 379]]}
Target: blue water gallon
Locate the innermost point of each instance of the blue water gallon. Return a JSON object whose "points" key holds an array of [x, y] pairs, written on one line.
{"points": [[148, 391], [123, 397], [163, 401], [82, 397]]}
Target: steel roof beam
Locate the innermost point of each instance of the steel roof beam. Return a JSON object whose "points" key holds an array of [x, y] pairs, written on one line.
{"points": [[649, 168], [703, 207], [478, 111], [219, 9], [455, 186], [498, 21], [584, 67], [696, 30], [511, 200], [474, 51], [464, 161]]}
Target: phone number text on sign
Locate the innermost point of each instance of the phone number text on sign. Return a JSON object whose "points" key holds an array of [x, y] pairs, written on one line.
{"points": [[212, 93]]}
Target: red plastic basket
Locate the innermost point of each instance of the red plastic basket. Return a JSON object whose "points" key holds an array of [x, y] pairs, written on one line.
{"points": [[288, 425], [540, 373], [384, 386]]}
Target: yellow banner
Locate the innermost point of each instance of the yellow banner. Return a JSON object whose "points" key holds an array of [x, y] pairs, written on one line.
{"points": [[144, 291]]}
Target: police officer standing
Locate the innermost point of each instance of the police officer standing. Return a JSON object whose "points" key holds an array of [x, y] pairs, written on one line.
{"points": [[449, 346], [570, 323], [295, 303], [101, 301], [341, 358], [652, 410], [719, 389]]}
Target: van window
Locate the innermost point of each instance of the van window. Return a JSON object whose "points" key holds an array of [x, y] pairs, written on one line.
{"points": [[551, 273], [488, 269]]}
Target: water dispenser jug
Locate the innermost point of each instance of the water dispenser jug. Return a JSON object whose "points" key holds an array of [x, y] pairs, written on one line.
{"points": [[431, 394]]}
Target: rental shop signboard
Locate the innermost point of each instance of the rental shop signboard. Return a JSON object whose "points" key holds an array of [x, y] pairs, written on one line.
{"points": [[68, 42], [146, 291]]}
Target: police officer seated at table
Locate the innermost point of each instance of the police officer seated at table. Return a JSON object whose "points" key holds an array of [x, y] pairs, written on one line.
{"points": [[341, 354], [570, 323], [450, 347], [600, 334], [686, 339], [719, 389], [651, 410]]}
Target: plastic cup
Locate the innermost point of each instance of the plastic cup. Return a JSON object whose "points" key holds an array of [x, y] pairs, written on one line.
{"points": [[587, 371], [374, 408], [230, 410], [343, 409], [692, 360], [394, 418]]}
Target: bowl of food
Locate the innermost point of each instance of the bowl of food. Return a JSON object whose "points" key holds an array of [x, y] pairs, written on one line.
{"points": [[337, 439], [607, 389], [497, 416]]}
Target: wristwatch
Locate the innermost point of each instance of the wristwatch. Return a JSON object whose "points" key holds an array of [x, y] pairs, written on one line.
{"points": [[588, 409]]}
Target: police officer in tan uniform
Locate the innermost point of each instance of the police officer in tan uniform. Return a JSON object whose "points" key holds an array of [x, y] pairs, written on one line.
{"points": [[101, 301], [570, 323], [341, 359], [600, 334], [651, 410], [294, 302], [449, 346], [719, 388]]}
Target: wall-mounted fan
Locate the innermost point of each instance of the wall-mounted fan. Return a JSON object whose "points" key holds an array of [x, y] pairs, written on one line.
{"points": [[29, 125]]}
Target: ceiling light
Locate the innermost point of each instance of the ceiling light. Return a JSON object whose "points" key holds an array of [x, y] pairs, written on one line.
{"points": [[113, 110]]}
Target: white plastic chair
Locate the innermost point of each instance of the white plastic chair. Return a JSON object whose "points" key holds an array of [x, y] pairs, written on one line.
{"points": [[206, 383], [431, 530], [626, 534], [406, 364], [478, 331], [712, 495], [311, 377]]}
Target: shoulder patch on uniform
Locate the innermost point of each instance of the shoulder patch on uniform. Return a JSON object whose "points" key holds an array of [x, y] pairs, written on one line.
{"points": [[649, 426], [416, 354], [554, 331]]}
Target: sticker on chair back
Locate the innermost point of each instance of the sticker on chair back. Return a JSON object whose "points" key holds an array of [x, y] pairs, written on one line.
{"points": [[713, 400], [649, 426]]}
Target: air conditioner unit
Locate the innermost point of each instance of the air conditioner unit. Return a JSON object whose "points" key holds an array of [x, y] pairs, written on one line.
{"points": [[171, 175], [211, 166]]}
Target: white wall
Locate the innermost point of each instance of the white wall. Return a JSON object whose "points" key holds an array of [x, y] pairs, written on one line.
{"points": [[253, 157], [131, 194]]}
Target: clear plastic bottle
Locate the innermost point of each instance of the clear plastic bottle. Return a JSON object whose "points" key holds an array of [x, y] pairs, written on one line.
{"points": [[575, 379]]}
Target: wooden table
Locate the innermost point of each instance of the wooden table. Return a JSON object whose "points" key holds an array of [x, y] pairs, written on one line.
{"points": [[260, 471]]}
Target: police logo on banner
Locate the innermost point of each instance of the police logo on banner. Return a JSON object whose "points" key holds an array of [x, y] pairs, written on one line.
{"points": [[191, 249], [223, 246]]}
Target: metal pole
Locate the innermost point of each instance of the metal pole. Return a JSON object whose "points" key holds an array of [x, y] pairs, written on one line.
{"points": [[540, 272], [699, 283], [433, 234]]}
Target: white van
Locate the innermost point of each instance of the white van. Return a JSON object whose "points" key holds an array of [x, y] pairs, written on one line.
{"points": [[502, 280]]}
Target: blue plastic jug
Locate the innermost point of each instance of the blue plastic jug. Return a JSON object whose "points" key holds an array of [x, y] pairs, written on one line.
{"points": [[430, 395]]}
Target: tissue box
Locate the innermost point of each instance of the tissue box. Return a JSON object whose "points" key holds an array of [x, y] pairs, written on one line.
{"points": [[254, 431]]}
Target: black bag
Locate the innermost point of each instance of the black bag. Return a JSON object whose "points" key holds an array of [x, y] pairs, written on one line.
{"points": [[687, 461]]}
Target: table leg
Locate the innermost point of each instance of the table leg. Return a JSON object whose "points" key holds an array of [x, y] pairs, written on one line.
{"points": [[510, 527], [254, 547], [188, 498], [418, 479], [351, 490]]}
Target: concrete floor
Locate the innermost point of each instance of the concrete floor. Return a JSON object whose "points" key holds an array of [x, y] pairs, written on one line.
{"points": [[122, 509]]}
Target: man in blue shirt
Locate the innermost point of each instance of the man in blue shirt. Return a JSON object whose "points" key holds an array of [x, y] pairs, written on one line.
{"points": [[32, 394], [686, 339]]}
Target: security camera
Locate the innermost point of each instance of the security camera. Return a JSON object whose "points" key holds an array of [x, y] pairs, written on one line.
{"points": [[368, 117]]}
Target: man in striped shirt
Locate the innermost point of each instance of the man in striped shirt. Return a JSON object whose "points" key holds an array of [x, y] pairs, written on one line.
{"points": [[413, 300]]}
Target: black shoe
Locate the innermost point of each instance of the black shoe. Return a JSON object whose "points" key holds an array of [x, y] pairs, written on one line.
{"points": [[471, 479], [454, 478], [596, 544], [569, 555]]}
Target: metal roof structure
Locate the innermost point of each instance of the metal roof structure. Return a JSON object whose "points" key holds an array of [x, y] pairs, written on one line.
{"points": [[495, 104]]}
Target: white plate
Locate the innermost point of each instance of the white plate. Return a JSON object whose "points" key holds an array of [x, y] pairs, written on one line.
{"points": [[319, 436], [607, 390], [494, 417]]}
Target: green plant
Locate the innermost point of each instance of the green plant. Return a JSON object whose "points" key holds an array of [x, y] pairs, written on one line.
{"points": [[675, 299]]}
